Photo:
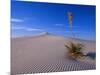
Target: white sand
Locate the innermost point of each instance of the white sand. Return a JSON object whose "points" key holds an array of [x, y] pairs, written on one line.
{"points": [[45, 53]]}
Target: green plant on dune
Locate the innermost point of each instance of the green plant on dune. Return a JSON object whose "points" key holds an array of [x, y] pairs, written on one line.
{"points": [[74, 50]]}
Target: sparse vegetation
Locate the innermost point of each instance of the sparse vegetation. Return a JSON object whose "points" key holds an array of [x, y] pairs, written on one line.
{"points": [[74, 50]]}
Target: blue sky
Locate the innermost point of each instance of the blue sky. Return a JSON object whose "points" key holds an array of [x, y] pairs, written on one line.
{"points": [[32, 18]]}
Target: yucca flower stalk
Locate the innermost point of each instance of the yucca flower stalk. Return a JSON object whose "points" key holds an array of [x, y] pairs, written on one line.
{"points": [[70, 18]]}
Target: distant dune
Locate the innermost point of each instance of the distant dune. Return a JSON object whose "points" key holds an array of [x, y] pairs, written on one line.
{"points": [[46, 53]]}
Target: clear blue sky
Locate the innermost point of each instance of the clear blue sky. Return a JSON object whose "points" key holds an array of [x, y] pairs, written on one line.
{"points": [[31, 18]]}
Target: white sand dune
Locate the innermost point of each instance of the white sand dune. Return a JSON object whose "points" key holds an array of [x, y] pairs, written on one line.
{"points": [[45, 53]]}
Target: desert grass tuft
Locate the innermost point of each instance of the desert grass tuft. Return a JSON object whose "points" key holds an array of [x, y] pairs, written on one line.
{"points": [[75, 50]]}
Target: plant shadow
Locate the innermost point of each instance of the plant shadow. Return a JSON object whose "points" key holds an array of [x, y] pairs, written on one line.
{"points": [[92, 55]]}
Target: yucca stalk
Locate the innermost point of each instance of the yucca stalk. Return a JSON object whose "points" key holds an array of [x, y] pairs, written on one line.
{"points": [[70, 18]]}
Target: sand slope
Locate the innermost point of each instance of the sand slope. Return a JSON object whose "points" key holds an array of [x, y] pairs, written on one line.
{"points": [[45, 53]]}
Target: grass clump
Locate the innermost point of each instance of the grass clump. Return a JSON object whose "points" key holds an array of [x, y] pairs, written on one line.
{"points": [[74, 50]]}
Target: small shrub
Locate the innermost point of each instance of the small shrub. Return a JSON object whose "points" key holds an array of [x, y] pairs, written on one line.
{"points": [[74, 50]]}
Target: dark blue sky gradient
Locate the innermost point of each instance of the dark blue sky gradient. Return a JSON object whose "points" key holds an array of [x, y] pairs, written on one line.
{"points": [[53, 18]]}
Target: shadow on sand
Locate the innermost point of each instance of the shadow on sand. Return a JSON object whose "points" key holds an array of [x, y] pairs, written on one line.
{"points": [[91, 55]]}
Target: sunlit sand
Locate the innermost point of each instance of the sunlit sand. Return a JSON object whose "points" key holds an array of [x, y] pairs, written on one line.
{"points": [[47, 53]]}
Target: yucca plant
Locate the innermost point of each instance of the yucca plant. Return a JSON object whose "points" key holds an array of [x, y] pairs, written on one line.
{"points": [[74, 50]]}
